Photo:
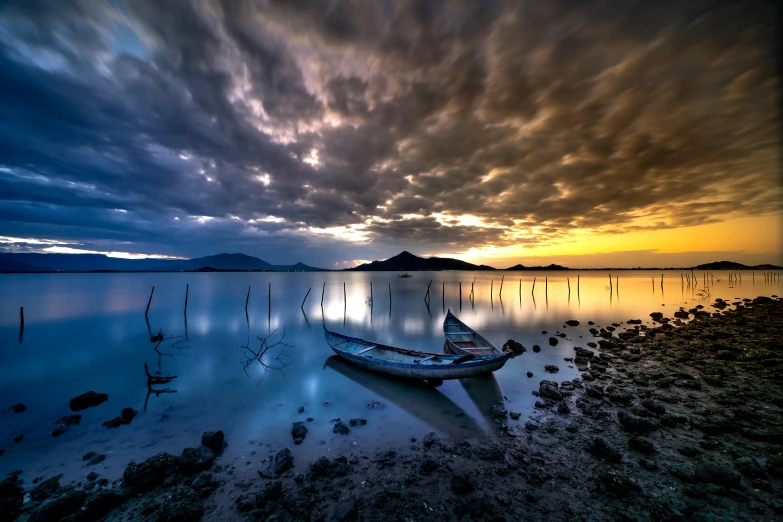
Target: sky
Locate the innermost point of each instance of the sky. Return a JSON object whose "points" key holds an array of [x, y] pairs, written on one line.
{"points": [[584, 133]]}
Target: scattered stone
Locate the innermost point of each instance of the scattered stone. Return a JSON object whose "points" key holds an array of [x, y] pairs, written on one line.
{"points": [[548, 390], [271, 492], [498, 412], [431, 439], [181, 504], [299, 432], [553, 341], [654, 406], [283, 461], [749, 467], [638, 425], [16, 408], [60, 507], [529, 374], [563, 408], [214, 440], [100, 503], [716, 474], [428, 466], [340, 428], [515, 415], [462, 483], [642, 445], [572, 322], [301, 409], [536, 348], [514, 347], [357, 422], [88, 455], [150, 473], [126, 416], [18, 438], [96, 459], [197, 459], [616, 484], [600, 447], [551, 368], [87, 400]]}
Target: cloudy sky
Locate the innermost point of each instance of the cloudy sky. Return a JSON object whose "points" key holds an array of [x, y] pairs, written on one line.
{"points": [[590, 133]]}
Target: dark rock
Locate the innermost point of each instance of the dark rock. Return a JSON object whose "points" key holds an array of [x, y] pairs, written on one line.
{"points": [[283, 461], [596, 392], [637, 425], [648, 464], [498, 412], [672, 419], [529, 374], [600, 447], [128, 414], [462, 483], [616, 484], [716, 474], [536, 348], [87, 400], [357, 422], [96, 459], [642, 445], [553, 341], [514, 347], [150, 473], [688, 451], [60, 507], [654, 406], [88, 455], [430, 439], [775, 465], [299, 432], [47, 488], [301, 409], [181, 505], [572, 322], [92, 476], [17, 408], [551, 368], [562, 407], [749, 467], [214, 440], [18, 439], [515, 415], [340, 428], [11, 498], [197, 459], [272, 492], [548, 391], [428, 466], [100, 503]]}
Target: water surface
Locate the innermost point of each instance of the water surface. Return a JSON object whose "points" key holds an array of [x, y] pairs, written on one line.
{"points": [[88, 332]]}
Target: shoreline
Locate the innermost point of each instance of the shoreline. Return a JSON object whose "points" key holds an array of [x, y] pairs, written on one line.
{"points": [[680, 423]]}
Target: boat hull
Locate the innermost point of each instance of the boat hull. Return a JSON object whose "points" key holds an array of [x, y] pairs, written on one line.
{"points": [[461, 339]]}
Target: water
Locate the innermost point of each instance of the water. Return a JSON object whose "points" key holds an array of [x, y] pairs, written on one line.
{"points": [[88, 332]]}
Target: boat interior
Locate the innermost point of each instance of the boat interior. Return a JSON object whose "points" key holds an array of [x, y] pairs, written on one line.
{"points": [[389, 353]]}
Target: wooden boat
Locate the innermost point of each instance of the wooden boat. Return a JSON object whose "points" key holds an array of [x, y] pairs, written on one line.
{"points": [[413, 364], [461, 339]]}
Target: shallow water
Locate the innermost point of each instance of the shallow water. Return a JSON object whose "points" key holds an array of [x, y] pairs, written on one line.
{"points": [[88, 332]]}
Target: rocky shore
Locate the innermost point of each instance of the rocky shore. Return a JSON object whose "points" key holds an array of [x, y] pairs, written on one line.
{"points": [[680, 421]]}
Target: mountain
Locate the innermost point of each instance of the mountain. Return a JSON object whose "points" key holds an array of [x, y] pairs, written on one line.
{"points": [[405, 261], [549, 267], [100, 263], [730, 265]]}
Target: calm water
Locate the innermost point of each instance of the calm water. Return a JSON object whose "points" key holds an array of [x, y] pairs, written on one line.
{"points": [[88, 332]]}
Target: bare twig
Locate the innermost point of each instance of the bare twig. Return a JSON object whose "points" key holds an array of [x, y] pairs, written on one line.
{"points": [[264, 350]]}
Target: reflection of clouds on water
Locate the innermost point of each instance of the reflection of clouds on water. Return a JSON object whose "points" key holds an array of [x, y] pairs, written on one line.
{"points": [[413, 325]]}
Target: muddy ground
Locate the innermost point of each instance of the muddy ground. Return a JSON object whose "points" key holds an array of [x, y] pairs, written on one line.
{"points": [[683, 421]]}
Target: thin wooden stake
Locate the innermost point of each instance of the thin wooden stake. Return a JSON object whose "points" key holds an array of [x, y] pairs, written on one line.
{"points": [[491, 289], [568, 280], [443, 294], [323, 291], [305, 299], [546, 287], [532, 292], [345, 296], [460, 295], [371, 292], [500, 293], [610, 282], [21, 316], [149, 302], [247, 299]]}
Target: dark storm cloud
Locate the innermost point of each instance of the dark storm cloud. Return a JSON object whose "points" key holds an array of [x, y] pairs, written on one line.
{"points": [[280, 127]]}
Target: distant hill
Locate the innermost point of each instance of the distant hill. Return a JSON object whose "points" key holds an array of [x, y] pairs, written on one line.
{"points": [[549, 267], [405, 261], [100, 263], [730, 265]]}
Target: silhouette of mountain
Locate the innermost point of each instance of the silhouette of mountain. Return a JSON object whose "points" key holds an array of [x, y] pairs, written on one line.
{"points": [[549, 267], [731, 265], [405, 261], [10, 262]]}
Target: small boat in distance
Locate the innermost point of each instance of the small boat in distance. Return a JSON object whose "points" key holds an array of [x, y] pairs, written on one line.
{"points": [[461, 339], [401, 362], [404, 275]]}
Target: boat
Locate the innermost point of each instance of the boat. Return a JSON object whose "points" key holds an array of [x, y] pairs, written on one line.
{"points": [[402, 362], [461, 339], [405, 275]]}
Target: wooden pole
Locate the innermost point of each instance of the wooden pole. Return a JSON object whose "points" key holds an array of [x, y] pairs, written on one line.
{"points": [[443, 294], [371, 292], [568, 280], [460, 295], [427, 295], [500, 293], [269, 299], [345, 296], [187, 289], [247, 299], [323, 291], [520, 288], [577, 284], [472, 293], [617, 283], [610, 282], [491, 289], [390, 299], [149, 302], [303, 300], [21, 316], [546, 287], [532, 292]]}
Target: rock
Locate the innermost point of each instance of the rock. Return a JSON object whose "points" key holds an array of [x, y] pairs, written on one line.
{"points": [[271, 492], [96, 459], [654, 406], [181, 505], [283, 461], [584, 353], [514, 347], [47, 488], [553, 341], [64, 422], [214, 440], [572, 322], [548, 391], [688, 451], [428, 466], [340, 428], [60, 507], [88, 455], [387, 459], [462, 483], [637, 425], [197, 459], [498, 412], [11, 498], [299, 432], [18, 438], [100, 503], [551, 368], [648, 464], [301, 409], [515, 415], [562, 407], [642, 445], [600, 447], [430, 439], [87, 400], [17, 408], [536, 348], [656, 316], [616, 484], [775, 465], [92, 476], [749, 467], [128, 414], [357, 422], [717, 474], [529, 374], [346, 511], [150, 473]]}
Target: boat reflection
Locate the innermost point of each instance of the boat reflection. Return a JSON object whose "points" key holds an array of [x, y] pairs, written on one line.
{"points": [[418, 399], [484, 391]]}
